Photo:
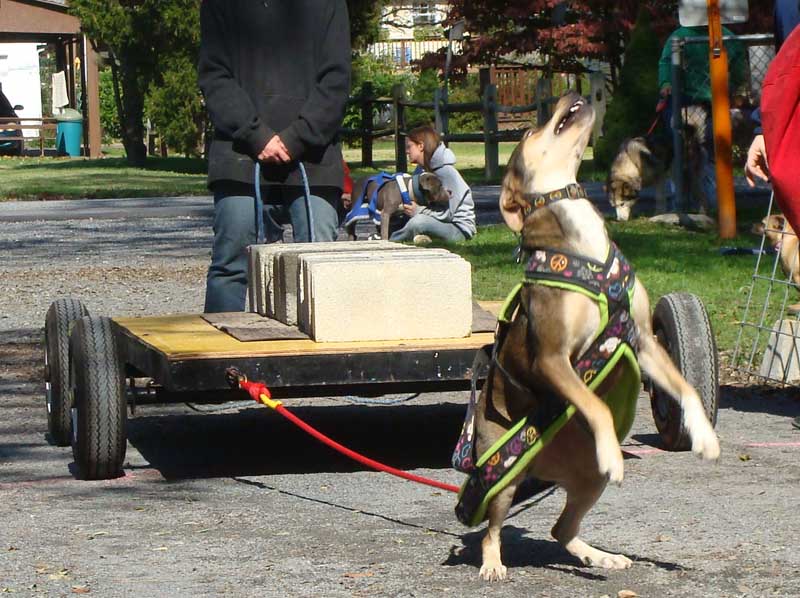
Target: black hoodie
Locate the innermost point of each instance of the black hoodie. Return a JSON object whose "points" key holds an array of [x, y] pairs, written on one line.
{"points": [[271, 67]]}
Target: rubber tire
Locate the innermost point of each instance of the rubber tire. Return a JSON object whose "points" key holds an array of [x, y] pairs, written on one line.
{"points": [[99, 438], [61, 315], [681, 325]]}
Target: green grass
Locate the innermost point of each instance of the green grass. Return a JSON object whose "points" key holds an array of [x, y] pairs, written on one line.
{"points": [[69, 178], [111, 176], [667, 259]]}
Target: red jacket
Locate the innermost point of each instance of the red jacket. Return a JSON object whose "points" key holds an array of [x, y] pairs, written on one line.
{"points": [[780, 115], [347, 184]]}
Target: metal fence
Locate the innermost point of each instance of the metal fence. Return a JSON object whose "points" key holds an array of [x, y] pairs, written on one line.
{"points": [[768, 343], [748, 59], [402, 52]]}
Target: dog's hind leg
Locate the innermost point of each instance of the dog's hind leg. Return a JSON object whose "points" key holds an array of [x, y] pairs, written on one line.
{"points": [[656, 363], [580, 499], [492, 568]]}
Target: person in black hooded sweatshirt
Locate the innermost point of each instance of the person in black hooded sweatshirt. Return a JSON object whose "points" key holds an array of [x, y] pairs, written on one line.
{"points": [[275, 75]]}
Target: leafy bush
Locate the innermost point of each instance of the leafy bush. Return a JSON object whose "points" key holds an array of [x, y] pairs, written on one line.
{"points": [[175, 107], [467, 92], [632, 107], [109, 118]]}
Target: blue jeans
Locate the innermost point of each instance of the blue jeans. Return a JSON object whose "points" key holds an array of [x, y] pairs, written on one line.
{"points": [[235, 228], [422, 224]]}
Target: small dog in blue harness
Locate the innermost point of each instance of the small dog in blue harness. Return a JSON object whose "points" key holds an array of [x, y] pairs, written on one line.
{"points": [[382, 195], [546, 366]]}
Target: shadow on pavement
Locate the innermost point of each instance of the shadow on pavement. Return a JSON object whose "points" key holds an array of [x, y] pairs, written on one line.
{"points": [[256, 441]]}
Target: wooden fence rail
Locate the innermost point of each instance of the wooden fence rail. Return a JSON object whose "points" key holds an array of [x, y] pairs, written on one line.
{"points": [[488, 107]]}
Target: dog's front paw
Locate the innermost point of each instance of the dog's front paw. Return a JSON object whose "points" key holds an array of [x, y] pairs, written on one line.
{"points": [[610, 463], [705, 443], [493, 571]]}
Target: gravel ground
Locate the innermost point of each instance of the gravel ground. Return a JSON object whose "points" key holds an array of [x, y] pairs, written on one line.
{"points": [[236, 502]]}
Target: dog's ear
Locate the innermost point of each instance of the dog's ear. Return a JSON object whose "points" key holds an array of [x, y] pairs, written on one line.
{"points": [[512, 200]]}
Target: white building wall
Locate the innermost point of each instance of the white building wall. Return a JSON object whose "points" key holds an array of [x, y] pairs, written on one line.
{"points": [[19, 76]]}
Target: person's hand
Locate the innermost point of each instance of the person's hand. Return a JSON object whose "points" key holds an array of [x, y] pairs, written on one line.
{"points": [[410, 208], [275, 152], [347, 200], [756, 165], [665, 91]]}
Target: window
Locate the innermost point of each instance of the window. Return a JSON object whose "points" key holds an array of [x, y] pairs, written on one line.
{"points": [[424, 13]]}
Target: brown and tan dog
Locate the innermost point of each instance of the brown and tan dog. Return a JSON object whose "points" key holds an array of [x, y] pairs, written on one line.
{"points": [[554, 325], [781, 236], [389, 200]]}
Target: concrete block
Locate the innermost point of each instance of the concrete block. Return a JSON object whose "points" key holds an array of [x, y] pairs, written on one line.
{"points": [[261, 263], [389, 296], [781, 360], [303, 309], [285, 270]]}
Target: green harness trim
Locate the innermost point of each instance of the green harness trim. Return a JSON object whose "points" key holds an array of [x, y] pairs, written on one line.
{"points": [[611, 285]]}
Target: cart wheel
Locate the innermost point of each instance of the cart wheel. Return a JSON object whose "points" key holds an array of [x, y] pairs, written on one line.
{"points": [[57, 325], [98, 415], [681, 325]]}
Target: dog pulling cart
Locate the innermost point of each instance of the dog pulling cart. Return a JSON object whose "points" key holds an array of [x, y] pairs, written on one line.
{"points": [[96, 367]]}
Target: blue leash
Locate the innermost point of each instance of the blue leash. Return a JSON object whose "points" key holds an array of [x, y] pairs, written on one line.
{"points": [[260, 203]]}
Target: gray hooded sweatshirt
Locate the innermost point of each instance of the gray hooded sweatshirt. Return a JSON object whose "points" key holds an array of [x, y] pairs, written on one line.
{"points": [[461, 210]]}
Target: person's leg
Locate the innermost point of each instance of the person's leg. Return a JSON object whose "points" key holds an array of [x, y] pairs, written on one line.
{"points": [[324, 215], [234, 230], [422, 224]]}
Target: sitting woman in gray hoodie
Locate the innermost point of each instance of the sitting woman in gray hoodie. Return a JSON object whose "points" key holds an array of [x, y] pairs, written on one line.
{"points": [[454, 221]]}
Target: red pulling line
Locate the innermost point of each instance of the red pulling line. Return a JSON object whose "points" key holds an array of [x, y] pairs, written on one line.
{"points": [[260, 394]]}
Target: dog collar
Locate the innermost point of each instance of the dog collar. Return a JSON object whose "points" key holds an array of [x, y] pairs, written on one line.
{"points": [[540, 200]]}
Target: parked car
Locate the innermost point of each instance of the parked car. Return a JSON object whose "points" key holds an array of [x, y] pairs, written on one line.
{"points": [[9, 146]]}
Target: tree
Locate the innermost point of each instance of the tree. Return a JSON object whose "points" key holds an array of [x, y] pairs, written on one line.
{"points": [[561, 32], [632, 108], [365, 21], [175, 107], [141, 37]]}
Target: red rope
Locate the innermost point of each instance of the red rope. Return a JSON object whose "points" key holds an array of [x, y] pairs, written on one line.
{"points": [[256, 390]]}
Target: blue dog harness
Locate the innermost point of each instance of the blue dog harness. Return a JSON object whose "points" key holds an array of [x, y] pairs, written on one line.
{"points": [[365, 209], [611, 285]]}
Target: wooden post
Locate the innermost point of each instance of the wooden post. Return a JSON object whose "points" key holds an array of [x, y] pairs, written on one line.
{"points": [[367, 99], [398, 108], [597, 98], [544, 92], [491, 147], [721, 111]]}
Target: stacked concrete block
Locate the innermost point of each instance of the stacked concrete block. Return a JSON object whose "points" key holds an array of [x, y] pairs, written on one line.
{"points": [[303, 303], [781, 360], [286, 270], [262, 264], [390, 295]]}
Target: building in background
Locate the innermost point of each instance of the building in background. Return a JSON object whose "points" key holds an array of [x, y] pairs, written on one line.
{"points": [[48, 25], [410, 29], [19, 80]]}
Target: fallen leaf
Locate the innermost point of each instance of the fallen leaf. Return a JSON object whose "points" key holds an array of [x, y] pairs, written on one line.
{"points": [[162, 548], [80, 590], [744, 457], [63, 574], [627, 594], [662, 538], [357, 575]]}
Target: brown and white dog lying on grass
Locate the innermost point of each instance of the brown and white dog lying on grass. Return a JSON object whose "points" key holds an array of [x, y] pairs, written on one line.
{"points": [[551, 327]]}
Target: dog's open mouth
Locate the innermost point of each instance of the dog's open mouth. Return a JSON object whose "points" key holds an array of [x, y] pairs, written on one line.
{"points": [[570, 115]]}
